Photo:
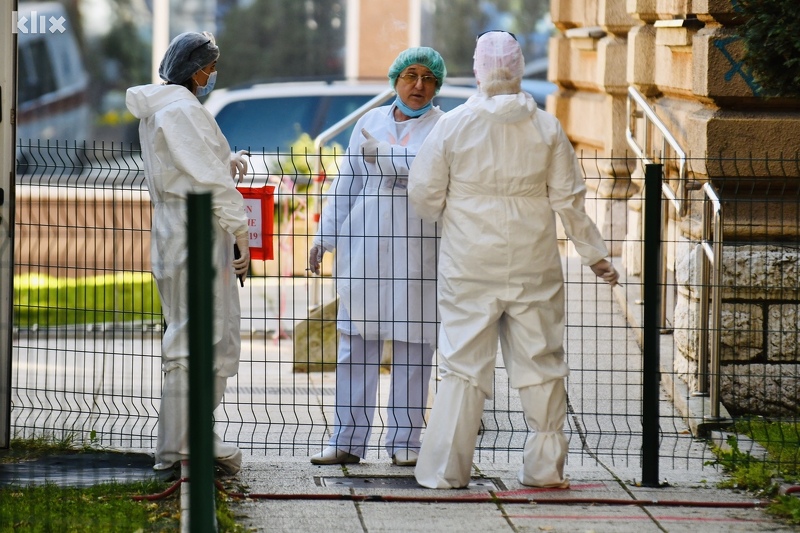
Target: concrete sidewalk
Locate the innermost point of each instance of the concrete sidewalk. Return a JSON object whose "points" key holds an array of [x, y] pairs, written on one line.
{"points": [[287, 493], [290, 494]]}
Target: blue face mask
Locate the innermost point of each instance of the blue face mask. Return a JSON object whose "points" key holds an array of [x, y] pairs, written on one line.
{"points": [[208, 87], [413, 113]]}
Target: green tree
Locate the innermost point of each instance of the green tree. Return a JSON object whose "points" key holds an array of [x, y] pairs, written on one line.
{"points": [[272, 39], [124, 46], [452, 25], [770, 30]]}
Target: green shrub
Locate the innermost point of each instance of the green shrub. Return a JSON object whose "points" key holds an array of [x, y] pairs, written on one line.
{"points": [[121, 297], [770, 30]]}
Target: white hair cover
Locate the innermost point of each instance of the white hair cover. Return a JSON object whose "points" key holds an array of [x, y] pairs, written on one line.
{"points": [[499, 64]]}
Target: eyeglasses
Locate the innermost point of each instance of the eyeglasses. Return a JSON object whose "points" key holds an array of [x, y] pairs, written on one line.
{"points": [[412, 78], [494, 31]]}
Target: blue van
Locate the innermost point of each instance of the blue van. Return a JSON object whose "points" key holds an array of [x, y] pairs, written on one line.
{"points": [[53, 85]]}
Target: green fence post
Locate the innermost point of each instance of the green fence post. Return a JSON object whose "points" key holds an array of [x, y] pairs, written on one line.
{"points": [[651, 379], [202, 513]]}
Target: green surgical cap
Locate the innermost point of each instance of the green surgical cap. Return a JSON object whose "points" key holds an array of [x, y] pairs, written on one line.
{"points": [[186, 54], [422, 55]]}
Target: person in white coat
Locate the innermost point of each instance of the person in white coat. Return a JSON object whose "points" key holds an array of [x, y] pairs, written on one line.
{"points": [[385, 267], [184, 152], [495, 171]]}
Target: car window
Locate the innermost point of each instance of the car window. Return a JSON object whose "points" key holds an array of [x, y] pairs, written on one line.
{"points": [[267, 123], [336, 108], [36, 73], [448, 103], [276, 123]]}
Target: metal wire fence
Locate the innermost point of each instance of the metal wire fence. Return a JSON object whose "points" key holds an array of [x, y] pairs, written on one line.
{"points": [[88, 327]]}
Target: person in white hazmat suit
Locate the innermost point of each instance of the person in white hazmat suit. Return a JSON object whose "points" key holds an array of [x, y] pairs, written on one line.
{"points": [[385, 267], [494, 172], [184, 152]]}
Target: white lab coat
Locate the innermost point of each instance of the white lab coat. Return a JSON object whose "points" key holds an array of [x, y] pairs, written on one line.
{"points": [[385, 254], [495, 172], [185, 152], [386, 279]]}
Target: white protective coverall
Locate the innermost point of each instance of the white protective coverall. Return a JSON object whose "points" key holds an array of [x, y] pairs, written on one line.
{"points": [[386, 279], [184, 151], [495, 171]]}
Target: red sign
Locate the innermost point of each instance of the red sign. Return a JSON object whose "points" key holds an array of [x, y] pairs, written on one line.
{"points": [[259, 203]]}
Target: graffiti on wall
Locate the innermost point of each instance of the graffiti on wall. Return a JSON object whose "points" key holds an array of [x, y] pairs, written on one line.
{"points": [[738, 68]]}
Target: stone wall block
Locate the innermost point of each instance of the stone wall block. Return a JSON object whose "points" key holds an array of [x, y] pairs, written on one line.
{"points": [[686, 369], [640, 67], [676, 115], [567, 14], [613, 16], [686, 332], [741, 332], [559, 56], [761, 135], [689, 256], [718, 71], [584, 117], [612, 59], [757, 389], [644, 10], [718, 11], [583, 67], [668, 9], [783, 333], [760, 272], [632, 248], [316, 340], [673, 64]]}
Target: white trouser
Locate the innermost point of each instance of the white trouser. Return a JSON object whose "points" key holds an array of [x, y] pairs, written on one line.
{"points": [[357, 370], [173, 423], [445, 459], [546, 449]]}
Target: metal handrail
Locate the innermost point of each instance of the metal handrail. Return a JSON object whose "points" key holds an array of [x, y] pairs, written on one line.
{"points": [[350, 119], [712, 249], [651, 119], [321, 140], [677, 198]]}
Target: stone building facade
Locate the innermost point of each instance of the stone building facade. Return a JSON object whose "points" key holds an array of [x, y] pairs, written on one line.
{"points": [[683, 56]]}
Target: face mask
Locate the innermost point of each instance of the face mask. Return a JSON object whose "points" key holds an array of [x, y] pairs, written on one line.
{"points": [[412, 113], [203, 90]]}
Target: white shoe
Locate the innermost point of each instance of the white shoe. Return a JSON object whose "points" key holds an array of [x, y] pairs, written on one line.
{"points": [[334, 456], [230, 465], [161, 467], [405, 458]]}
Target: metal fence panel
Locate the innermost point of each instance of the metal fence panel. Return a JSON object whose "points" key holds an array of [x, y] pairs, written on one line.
{"points": [[83, 222]]}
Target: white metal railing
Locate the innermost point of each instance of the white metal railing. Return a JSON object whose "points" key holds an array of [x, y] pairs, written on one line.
{"points": [[321, 140], [712, 255], [638, 108], [641, 113]]}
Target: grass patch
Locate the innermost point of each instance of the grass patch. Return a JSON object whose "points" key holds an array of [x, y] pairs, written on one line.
{"points": [[781, 440], [47, 301], [107, 507], [28, 449]]}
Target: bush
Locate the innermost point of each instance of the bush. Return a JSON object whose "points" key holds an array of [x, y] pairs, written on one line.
{"points": [[121, 297], [770, 30]]}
